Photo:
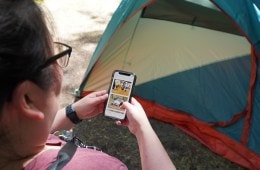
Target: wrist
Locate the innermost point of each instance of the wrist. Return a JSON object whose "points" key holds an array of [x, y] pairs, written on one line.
{"points": [[71, 114], [144, 129]]}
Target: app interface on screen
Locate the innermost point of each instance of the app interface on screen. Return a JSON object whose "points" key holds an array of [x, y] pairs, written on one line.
{"points": [[120, 92]]}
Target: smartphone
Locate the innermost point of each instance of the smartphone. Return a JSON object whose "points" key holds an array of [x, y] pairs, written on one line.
{"points": [[120, 90]]}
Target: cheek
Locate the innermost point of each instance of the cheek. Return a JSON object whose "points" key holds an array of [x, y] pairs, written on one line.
{"points": [[58, 80], [53, 101], [53, 106], [59, 83], [53, 97], [56, 93]]}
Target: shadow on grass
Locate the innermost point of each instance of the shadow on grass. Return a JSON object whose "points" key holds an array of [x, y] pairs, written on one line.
{"points": [[185, 152]]}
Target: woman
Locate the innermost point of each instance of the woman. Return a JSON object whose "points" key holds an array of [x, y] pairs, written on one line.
{"points": [[31, 77]]}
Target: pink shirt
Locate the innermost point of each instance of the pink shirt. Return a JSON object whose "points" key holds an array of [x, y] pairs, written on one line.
{"points": [[83, 159]]}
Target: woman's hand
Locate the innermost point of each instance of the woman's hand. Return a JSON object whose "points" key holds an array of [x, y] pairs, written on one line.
{"points": [[136, 116], [90, 105], [153, 155]]}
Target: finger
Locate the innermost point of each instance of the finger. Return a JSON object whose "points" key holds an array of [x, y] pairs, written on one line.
{"points": [[99, 99], [126, 105], [98, 93], [122, 122], [101, 93], [101, 108], [135, 102]]}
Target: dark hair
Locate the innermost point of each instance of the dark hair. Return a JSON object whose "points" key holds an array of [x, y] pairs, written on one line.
{"points": [[25, 42]]}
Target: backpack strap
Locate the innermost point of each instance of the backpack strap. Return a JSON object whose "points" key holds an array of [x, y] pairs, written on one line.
{"points": [[64, 156]]}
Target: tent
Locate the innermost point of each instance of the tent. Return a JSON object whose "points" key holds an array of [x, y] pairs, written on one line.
{"points": [[197, 68]]}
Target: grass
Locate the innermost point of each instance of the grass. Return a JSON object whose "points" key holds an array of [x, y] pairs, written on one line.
{"points": [[185, 152]]}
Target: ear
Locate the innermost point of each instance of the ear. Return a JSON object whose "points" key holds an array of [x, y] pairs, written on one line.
{"points": [[26, 98]]}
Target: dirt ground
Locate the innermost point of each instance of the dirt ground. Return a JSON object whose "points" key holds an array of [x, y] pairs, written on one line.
{"points": [[80, 23]]}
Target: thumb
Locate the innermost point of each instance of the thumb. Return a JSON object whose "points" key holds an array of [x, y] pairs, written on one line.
{"points": [[135, 102], [126, 105]]}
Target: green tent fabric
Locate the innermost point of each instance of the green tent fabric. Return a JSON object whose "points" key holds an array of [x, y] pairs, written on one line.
{"points": [[246, 14], [197, 68]]}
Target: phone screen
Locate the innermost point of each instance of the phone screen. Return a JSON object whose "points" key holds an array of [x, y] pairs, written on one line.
{"points": [[120, 90]]}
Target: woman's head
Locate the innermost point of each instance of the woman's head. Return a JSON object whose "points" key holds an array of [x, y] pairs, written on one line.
{"points": [[25, 43], [29, 87]]}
